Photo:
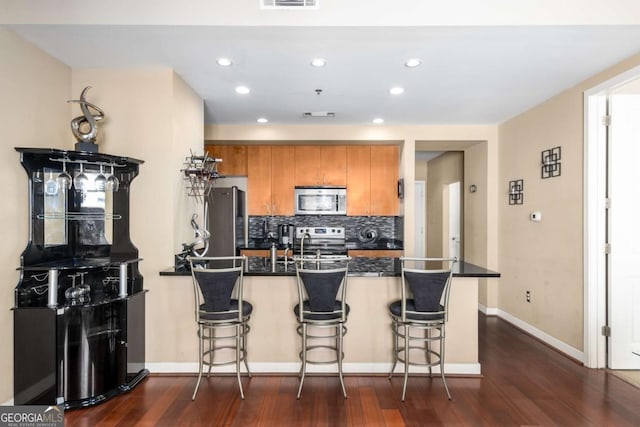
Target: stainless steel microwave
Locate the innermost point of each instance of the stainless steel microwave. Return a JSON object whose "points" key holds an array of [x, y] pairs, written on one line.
{"points": [[321, 201]]}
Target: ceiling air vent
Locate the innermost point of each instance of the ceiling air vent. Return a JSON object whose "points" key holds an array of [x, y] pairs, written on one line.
{"points": [[319, 114], [289, 4]]}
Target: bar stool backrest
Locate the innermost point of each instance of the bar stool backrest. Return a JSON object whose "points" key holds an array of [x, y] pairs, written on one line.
{"points": [[429, 287], [323, 285], [215, 279]]}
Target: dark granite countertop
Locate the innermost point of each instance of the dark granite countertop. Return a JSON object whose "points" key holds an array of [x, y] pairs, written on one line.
{"points": [[359, 267]]}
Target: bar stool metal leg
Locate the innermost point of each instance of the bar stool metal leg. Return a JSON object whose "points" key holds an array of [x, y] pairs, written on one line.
{"points": [[200, 360], [340, 356], [304, 359], [406, 360], [238, 352], [394, 327], [441, 329]]}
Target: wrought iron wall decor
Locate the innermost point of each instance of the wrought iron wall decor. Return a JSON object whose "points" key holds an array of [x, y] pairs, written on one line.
{"points": [[516, 192], [551, 166]]}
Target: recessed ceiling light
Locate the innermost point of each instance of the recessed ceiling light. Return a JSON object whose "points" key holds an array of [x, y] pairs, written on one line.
{"points": [[224, 62], [412, 62], [242, 90], [378, 121], [396, 90], [262, 120], [318, 62]]}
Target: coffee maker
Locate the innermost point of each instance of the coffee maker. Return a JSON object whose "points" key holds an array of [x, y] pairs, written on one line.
{"points": [[286, 234]]}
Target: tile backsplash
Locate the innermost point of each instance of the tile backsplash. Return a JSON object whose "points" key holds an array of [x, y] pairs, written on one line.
{"points": [[387, 227]]}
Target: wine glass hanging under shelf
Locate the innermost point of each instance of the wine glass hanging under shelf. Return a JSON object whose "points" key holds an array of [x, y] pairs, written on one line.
{"points": [[199, 174], [80, 216]]}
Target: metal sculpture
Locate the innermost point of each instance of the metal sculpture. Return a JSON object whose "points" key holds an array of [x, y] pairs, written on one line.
{"points": [[79, 124]]}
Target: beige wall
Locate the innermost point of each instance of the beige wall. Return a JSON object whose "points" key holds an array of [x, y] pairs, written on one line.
{"points": [[34, 90], [154, 116], [475, 205], [443, 170], [546, 258]]}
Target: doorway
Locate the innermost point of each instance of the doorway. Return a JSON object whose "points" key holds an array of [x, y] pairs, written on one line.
{"points": [[612, 287], [452, 238]]}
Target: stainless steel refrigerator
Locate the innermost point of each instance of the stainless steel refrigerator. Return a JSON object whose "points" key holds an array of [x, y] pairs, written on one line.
{"points": [[226, 221]]}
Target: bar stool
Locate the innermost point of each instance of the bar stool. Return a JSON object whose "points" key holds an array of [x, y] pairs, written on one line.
{"points": [[322, 293], [222, 318], [428, 281]]}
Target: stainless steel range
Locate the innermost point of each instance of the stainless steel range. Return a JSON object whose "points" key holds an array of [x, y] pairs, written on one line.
{"points": [[327, 240]]}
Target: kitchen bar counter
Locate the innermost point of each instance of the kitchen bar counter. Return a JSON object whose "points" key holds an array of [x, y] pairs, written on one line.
{"points": [[273, 343]]}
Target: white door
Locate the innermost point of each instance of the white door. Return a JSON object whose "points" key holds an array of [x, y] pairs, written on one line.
{"points": [[624, 231], [419, 219], [454, 220]]}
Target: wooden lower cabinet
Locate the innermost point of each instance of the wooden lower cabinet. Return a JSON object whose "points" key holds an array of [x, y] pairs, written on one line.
{"points": [[375, 253]]}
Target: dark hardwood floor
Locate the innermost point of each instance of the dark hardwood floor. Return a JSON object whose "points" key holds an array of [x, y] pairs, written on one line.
{"points": [[524, 383]]}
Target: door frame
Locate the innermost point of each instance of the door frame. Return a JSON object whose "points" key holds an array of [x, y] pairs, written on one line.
{"points": [[420, 216], [594, 220]]}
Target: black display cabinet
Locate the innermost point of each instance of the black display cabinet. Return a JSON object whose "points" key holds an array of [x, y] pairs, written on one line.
{"points": [[79, 305]]}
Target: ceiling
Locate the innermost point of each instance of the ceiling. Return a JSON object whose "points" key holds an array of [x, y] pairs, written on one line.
{"points": [[469, 74]]}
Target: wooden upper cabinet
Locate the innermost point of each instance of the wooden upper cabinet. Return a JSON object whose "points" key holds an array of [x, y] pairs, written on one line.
{"points": [[282, 180], [307, 165], [358, 180], [259, 180], [320, 165], [372, 179], [234, 158], [384, 180], [333, 164], [270, 180]]}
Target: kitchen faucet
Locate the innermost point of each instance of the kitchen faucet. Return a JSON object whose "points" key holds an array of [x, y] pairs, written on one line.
{"points": [[286, 251]]}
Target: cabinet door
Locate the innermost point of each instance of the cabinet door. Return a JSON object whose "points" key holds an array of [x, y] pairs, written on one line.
{"points": [[307, 165], [234, 159], [358, 179], [384, 180], [259, 180], [333, 164], [282, 179]]}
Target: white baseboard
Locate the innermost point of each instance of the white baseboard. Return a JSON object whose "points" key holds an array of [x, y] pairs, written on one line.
{"points": [[542, 336], [489, 311], [7, 403], [293, 368]]}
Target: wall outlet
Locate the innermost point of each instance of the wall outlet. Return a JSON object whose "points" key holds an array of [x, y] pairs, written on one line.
{"points": [[536, 216], [528, 296]]}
